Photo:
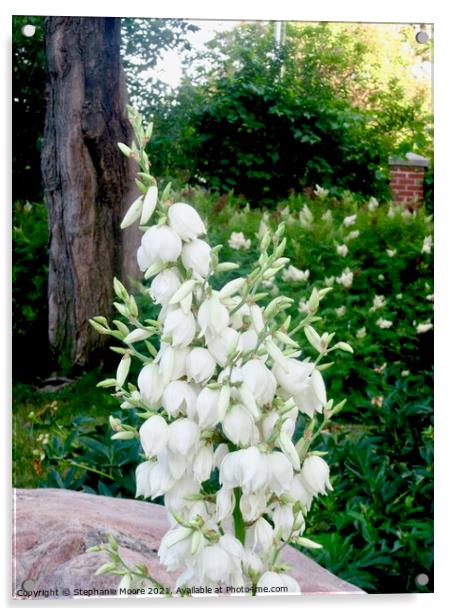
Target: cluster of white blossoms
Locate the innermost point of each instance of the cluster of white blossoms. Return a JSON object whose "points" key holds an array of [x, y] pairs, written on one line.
{"points": [[221, 397], [237, 241]]}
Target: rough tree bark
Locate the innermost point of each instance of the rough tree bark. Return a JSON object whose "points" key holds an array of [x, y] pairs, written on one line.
{"points": [[87, 181]]}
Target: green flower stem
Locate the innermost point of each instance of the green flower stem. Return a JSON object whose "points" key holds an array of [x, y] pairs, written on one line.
{"points": [[239, 524]]}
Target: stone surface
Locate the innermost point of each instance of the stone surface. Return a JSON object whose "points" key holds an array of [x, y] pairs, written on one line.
{"points": [[53, 529]]}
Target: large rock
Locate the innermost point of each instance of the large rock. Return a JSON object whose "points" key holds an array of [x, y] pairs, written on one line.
{"points": [[53, 529]]}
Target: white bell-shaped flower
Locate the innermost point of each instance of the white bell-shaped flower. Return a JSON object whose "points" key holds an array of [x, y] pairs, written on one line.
{"points": [[150, 385], [220, 346], [303, 382], [245, 468], [181, 327], [315, 474], [207, 407], [165, 285], [253, 505], [281, 472], [142, 479], [299, 491], [179, 397], [185, 221], [196, 257], [220, 563], [154, 434], [262, 535], [172, 361], [183, 437], [160, 477], [161, 244], [213, 317], [283, 520], [203, 463], [238, 425], [248, 340], [176, 497], [260, 381], [176, 547], [224, 504], [200, 365]]}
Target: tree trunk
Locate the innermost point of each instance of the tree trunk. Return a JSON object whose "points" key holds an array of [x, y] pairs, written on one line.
{"points": [[87, 181]]}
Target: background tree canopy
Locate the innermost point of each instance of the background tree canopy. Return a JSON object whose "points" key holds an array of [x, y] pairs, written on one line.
{"points": [[328, 106]]}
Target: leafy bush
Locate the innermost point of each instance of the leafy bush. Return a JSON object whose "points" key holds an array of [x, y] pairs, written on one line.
{"points": [[328, 106], [29, 289]]}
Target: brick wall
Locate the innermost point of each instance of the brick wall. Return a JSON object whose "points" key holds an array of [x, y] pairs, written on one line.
{"points": [[407, 179]]}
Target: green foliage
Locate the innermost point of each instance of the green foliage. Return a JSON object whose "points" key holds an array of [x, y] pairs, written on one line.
{"points": [[29, 289], [321, 109]]}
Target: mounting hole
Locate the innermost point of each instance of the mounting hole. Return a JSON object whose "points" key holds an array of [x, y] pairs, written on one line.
{"points": [[422, 37], [422, 579], [28, 30]]}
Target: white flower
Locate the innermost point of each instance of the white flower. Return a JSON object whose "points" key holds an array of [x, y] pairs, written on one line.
{"points": [[220, 346], [154, 435], [185, 221], [372, 204], [196, 256], [238, 241], [203, 463], [381, 276], [291, 273], [427, 244], [303, 305], [327, 217], [315, 475], [270, 580], [181, 327], [421, 328], [303, 382], [384, 323], [299, 491], [341, 311], [207, 407], [160, 244], [349, 220], [329, 281], [361, 333], [245, 468], [379, 301], [160, 477], [165, 285], [213, 317], [342, 250], [221, 562], [200, 365], [260, 381], [253, 505], [176, 547], [430, 297], [281, 472], [142, 479], [346, 278], [283, 519], [172, 362], [305, 217], [320, 192], [262, 535], [238, 425], [270, 419], [352, 235], [405, 373], [150, 385], [176, 497], [391, 253], [183, 436], [225, 503], [179, 397]]}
